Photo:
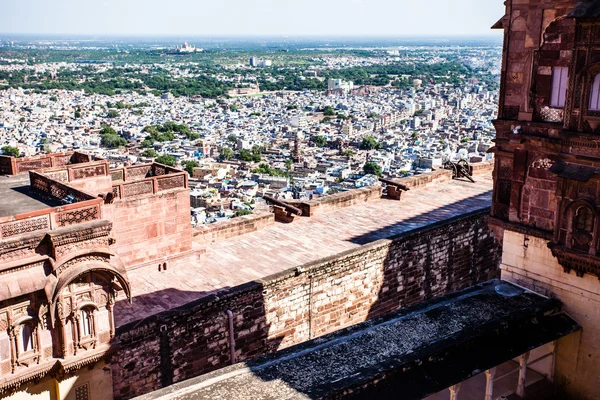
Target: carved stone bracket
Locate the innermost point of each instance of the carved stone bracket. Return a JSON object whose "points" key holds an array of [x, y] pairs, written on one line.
{"points": [[573, 260]]}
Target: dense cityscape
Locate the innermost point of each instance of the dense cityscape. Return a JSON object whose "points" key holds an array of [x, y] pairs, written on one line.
{"points": [[289, 123]]}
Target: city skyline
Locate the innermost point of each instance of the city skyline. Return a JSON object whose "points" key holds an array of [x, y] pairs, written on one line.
{"points": [[339, 18]]}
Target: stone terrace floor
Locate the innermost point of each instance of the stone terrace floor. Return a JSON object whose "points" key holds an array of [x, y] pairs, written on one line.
{"points": [[282, 246], [16, 196]]}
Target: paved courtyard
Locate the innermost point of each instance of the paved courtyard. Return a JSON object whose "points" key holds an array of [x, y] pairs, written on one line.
{"points": [[282, 246]]}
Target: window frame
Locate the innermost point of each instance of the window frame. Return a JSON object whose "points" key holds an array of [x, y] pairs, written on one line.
{"points": [[594, 91], [558, 92]]}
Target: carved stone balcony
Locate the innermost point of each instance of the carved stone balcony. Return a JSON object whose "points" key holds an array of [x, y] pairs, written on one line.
{"points": [[574, 260]]}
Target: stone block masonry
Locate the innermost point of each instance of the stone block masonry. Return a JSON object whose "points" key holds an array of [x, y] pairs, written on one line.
{"points": [[151, 228], [304, 303]]}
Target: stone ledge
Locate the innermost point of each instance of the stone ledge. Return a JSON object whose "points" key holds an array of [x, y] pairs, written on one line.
{"points": [[336, 201], [206, 234]]}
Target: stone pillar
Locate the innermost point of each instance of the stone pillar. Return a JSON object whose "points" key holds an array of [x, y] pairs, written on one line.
{"points": [[489, 383], [522, 374], [454, 391], [553, 365]]}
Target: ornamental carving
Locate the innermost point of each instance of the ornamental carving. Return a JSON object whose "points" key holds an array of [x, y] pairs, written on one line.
{"points": [[89, 172], [77, 216], [542, 163], [177, 181], [61, 176], [16, 228], [25, 166], [94, 243], [3, 322], [136, 173], [116, 175], [581, 263], [138, 188], [60, 310], [83, 259]]}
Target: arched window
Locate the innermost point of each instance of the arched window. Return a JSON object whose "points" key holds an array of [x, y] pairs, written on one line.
{"points": [[582, 233], [595, 94], [584, 219], [26, 339], [86, 322]]}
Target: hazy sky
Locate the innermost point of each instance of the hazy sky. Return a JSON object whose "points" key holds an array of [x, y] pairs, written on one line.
{"points": [[250, 17]]}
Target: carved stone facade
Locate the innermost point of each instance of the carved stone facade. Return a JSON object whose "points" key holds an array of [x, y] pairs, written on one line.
{"points": [[547, 167], [56, 302], [62, 268]]}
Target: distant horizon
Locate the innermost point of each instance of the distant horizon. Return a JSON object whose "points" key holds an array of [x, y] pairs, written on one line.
{"points": [[250, 18], [492, 35]]}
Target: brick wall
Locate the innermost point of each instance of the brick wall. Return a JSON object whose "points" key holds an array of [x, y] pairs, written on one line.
{"points": [[205, 234], [151, 228], [303, 303]]}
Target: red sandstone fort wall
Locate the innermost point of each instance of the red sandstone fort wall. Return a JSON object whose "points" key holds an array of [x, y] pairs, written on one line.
{"points": [[151, 228], [210, 233], [303, 303]]}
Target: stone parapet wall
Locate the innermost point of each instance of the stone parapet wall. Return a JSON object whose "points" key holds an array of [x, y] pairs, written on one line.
{"points": [[206, 234], [336, 201], [303, 303], [433, 177], [13, 166], [482, 168], [153, 227]]}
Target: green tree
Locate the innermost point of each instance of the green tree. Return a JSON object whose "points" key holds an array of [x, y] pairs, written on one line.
{"points": [[348, 153], [372, 168], [190, 165], [240, 213], [150, 153], [166, 159], [328, 110], [288, 165], [112, 114], [370, 143], [266, 169], [247, 155], [225, 153], [106, 129], [22, 119], [109, 138], [112, 141], [11, 151], [320, 141], [232, 139]]}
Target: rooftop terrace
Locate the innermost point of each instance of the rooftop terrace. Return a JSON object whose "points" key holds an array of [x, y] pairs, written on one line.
{"points": [[17, 196], [283, 246]]}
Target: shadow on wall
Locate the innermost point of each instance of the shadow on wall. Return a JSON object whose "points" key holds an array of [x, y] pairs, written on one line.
{"points": [[217, 330], [421, 264], [451, 252]]}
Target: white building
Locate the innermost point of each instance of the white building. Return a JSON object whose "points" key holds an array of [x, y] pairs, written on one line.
{"points": [[340, 84]]}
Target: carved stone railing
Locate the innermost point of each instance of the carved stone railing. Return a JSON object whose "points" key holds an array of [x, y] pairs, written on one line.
{"points": [[555, 115], [51, 187], [13, 166], [581, 146], [141, 172], [76, 172], [158, 178], [50, 218]]}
